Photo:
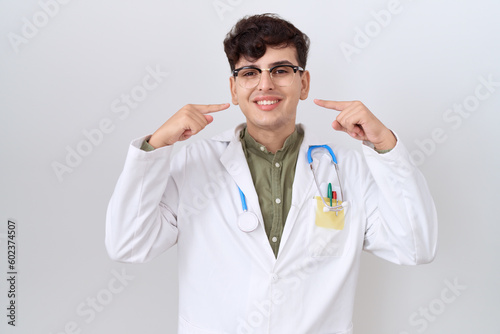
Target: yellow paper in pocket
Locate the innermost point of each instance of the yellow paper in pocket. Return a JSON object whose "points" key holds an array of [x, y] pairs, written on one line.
{"points": [[329, 219]]}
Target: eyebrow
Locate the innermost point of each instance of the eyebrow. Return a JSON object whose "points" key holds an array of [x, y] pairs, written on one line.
{"points": [[276, 63], [281, 62]]}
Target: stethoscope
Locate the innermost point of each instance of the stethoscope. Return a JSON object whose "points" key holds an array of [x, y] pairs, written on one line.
{"points": [[248, 221], [326, 208]]}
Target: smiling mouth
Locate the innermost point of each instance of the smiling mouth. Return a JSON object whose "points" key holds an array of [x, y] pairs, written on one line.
{"points": [[266, 102]]}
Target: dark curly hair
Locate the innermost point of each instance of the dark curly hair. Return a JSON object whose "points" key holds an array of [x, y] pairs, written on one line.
{"points": [[252, 34]]}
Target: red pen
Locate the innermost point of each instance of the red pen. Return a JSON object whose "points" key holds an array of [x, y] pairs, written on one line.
{"points": [[334, 195]]}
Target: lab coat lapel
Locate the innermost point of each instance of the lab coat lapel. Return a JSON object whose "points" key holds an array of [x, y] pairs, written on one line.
{"points": [[234, 161], [301, 189]]}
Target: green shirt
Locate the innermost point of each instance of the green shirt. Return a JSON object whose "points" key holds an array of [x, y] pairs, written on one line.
{"points": [[273, 175]]}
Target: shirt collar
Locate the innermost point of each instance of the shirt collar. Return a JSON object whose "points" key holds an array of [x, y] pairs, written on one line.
{"points": [[291, 144]]}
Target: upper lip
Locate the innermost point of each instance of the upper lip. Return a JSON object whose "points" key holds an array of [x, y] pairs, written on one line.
{"points": [[266, 98]]}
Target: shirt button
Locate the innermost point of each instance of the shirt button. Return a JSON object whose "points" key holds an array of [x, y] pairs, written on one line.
{"points": [[277, 164], [274, 239], [278, 201], [274, 277], [262, 148]]}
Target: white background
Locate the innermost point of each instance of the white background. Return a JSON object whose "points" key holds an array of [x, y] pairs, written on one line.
{"points": [[61, 78]]}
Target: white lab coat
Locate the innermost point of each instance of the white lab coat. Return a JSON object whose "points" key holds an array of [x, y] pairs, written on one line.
{"points": [[230, 281]]}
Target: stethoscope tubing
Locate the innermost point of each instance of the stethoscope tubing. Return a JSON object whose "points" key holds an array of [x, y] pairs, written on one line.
{"points": [[335, 208], [243, 200]]}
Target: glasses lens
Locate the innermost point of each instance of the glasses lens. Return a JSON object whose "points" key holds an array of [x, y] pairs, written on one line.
{"points": [[282, 76], [249, 77]]}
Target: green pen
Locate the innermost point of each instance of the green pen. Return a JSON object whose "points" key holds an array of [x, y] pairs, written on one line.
{"points": [[330, 196]]}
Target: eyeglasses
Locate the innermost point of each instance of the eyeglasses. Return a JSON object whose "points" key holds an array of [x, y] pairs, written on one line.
{"points": [[281, 75]]}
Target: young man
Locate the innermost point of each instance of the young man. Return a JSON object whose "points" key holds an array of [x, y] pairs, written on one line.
{"points": [[259, 250]]}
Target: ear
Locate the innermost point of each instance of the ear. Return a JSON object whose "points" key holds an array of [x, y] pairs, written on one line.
{"points": [[232, 86], [305, 80]]}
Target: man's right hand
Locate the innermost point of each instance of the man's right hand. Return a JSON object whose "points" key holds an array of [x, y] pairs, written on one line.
{"points": [[188, 121]]}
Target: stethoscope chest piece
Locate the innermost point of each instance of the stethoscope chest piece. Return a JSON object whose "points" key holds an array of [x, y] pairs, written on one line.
{"points": [[248, 221]]}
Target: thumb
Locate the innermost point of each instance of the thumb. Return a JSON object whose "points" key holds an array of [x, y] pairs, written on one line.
{"points": [[209, 118], [355, 132], [336, 126]]}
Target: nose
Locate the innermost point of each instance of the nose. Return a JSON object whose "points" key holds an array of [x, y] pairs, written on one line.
{"points": [[266, 82]]}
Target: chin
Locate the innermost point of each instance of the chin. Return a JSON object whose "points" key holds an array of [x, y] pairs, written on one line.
{"points": [[269, 123]]}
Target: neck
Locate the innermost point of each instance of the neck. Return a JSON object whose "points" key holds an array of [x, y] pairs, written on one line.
{"points": [[272, 139]]}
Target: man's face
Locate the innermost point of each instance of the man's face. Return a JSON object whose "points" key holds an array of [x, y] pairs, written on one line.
{"points": [[268, 106]]}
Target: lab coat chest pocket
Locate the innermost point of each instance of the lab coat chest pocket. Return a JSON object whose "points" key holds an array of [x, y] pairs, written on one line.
{"points": [[328, 231]]}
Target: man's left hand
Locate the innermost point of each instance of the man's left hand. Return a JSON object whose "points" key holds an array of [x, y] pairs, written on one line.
{"points": [[359, 122]]}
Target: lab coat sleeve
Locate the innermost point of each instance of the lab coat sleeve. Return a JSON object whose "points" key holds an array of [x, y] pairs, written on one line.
{"points": [[401, 216], [140, 224]]}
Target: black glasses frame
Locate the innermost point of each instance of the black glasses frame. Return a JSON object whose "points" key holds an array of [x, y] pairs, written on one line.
{"points": [[295, 69]]}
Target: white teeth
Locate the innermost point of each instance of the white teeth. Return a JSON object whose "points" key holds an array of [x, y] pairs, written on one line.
{"points": [[266, 103]]}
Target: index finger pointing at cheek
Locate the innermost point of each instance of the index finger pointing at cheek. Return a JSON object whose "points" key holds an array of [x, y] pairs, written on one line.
{"points": [[335, 105], [208, 108]]}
